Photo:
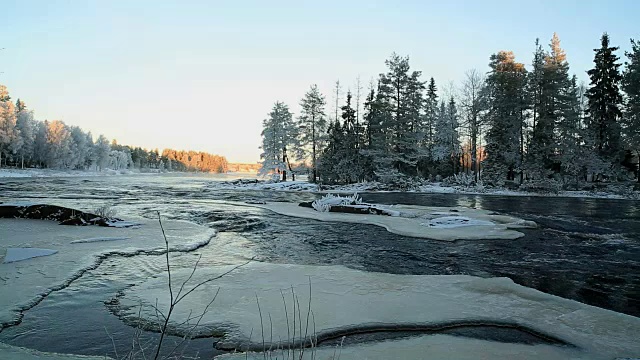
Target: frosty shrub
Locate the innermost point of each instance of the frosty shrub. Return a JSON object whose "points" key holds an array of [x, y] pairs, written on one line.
{"points": [[106, 212], [461, 179], [542, 186], [324, 204], [395, 180]]}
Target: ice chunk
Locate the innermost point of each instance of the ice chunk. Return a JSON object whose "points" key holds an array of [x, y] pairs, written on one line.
{"points": [[20, 254], [408, 220]]}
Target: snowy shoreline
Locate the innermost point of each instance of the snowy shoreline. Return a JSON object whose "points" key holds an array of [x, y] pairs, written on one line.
{"points": [[427, 188]]}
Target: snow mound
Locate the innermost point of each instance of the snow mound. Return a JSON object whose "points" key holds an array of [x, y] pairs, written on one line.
{"points": [[450, 222], [409, 220], [97, 239], [21, 254], [339, 301]]}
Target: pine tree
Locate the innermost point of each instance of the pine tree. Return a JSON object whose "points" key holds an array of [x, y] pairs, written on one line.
{"points": [[278, 136], [631, 86], [605, 101], [401, 91], [505, 92], [312, 126]]}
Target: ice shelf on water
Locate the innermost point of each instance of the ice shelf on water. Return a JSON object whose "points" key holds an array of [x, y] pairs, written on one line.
{"points": [[8, 352], [25, 283], [344, 300], [432, 347], [415, 221]]}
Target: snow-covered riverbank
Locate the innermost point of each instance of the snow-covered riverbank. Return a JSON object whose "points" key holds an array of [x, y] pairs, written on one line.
{"points": [[29, 173], [614, 192]]}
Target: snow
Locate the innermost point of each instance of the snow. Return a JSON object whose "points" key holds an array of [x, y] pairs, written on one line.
{"points": [[344, 299], [432, 347], [31, 280], [20, 254], [411, 219], [8, 352], [96, 239]]}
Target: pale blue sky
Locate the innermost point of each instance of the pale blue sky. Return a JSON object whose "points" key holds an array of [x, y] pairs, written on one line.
{"points": [[203, 74]]}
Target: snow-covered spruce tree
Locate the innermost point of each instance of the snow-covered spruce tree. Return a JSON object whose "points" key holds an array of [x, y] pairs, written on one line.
{"points": [[472, 105], [375, 121], [278, 135], [604, 111], [446, 143], [429, 119], [10, 140], [312, 128], [631, 87], [552, 105], [328, 163], [26, 125], [400, 90], [505, 118], [570, 138]]}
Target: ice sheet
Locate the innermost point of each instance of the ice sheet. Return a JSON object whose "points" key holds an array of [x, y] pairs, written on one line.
{"points": [[411, 219], [25, 278], [344, 299], [21, 254]]}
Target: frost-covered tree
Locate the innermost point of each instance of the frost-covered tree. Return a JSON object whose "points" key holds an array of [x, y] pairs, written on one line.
{"points": [[472, 105], [59, 141], [446, 142], [312, 128], [81, 148], [505, 92], [551, 106], [10, 140], [605, 102], [401, 91], [278, 135], [102, 149], [631, 86], [26, 125]]}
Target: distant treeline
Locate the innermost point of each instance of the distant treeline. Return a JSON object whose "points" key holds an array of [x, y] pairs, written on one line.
{"points": [[27, 142]]}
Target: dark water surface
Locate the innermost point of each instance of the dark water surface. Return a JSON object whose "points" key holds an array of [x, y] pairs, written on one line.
{"points": [[584, 249]]}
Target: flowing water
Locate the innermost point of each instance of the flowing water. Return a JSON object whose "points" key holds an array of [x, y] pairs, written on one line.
{"points": [[584, 249]]}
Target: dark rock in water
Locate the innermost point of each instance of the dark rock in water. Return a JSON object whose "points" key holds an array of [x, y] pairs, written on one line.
{"points": [[307, 204], [65, 216]]}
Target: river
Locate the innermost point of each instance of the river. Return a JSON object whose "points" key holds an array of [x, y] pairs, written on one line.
{"points": [[584, 249]]}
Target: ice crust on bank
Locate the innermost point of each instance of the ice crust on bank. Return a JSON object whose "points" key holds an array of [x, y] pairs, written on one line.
{"points": [[8, 352], [451, 222], [346, 299], [413, 221], [31, 280], [21, 254]]}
